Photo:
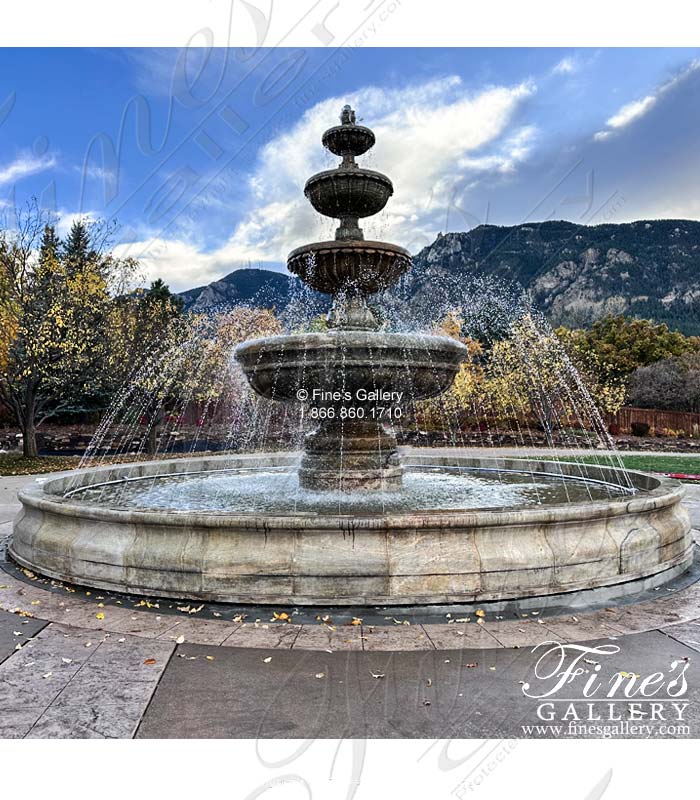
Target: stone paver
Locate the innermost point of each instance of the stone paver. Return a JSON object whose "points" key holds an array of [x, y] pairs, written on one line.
{"points": [[397, 637], [71, 682], [457, 636], [688, 633], [323, 637], [469, 693], [200, 631], [15, 630], [581, 628], [263, 635]]}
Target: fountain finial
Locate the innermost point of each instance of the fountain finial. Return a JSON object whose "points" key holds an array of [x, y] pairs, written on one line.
{"points": [[347, 116]]}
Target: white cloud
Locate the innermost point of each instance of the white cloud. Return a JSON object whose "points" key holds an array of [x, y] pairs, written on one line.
{"points": [[631, 111], [566, 66], [181, 264], [430, 137], [636, 109], [65, 219], [23, 166]]}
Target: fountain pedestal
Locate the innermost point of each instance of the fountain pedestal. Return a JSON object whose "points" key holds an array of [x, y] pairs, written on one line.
{"points": [[348, 455]]}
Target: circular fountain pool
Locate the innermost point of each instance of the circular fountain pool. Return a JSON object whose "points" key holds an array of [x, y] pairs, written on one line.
{"points": [[277, 491], [462, 529]]}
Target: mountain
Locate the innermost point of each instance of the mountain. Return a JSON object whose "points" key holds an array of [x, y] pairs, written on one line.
{"points": [[256, 287], [574, 273], [579, 273]]}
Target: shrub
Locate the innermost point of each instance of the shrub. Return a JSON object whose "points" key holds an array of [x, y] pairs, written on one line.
{"points": [[640, 428]]}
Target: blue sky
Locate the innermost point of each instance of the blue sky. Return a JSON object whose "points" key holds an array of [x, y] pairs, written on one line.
{"points": [[201, 156]]}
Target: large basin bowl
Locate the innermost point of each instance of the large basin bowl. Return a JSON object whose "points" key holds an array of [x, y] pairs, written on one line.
{"points": [[418, 365], [344, 192], [427, 556], [362, 266]]}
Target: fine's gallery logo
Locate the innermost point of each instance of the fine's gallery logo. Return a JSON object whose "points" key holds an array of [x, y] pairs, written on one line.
{"points": [[580, 690]]}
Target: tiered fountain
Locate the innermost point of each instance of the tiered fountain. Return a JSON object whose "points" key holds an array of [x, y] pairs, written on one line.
{"points": [[348, 523], [353, 360]]}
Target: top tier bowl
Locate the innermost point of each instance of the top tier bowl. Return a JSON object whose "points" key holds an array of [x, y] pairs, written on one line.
{"points": [[348, 140]]}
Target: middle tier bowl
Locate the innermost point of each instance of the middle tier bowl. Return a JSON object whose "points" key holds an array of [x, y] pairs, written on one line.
{"points": [[419, 365], [362, 266]]}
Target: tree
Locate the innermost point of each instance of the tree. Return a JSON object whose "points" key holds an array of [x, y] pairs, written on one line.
{"points": [[616, 346], [672, 384], [523, 377], [54, 304], [145, 325]]}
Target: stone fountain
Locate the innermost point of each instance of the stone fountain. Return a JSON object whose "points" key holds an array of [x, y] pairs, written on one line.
{"points": [[348, 523], [354, 360]]}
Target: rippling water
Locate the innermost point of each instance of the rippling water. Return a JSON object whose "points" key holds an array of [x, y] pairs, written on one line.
{"points": [[268, 491]]}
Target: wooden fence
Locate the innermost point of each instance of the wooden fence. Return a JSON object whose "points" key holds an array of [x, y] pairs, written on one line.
{"points": [[657, 420]]}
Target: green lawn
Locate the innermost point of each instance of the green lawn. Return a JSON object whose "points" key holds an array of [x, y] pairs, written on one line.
{"points": [[14, 464], [663, 462]]}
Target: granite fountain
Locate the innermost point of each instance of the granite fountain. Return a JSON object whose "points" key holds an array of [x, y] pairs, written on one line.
{"points": [[350, 520]]}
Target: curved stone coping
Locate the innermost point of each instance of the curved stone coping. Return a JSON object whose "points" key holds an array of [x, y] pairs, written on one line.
{"points": [[655, 492], [34, 600], [438, 557]]}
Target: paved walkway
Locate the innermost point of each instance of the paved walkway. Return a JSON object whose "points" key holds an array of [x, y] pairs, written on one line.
{"points": [[72, 665]]}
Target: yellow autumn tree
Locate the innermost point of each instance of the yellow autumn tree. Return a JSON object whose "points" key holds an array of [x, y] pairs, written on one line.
{"points": [[54, 304]]}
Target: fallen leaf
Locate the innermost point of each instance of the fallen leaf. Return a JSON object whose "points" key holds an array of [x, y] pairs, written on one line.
{"points": [[67, 660], [356, 621], [282, 615], [47, 675], [480, 613], [209, 658], [377, 674], [121, 640], [267, 660], [149, 662], [320, 674], [100, 615], [180, 639]]}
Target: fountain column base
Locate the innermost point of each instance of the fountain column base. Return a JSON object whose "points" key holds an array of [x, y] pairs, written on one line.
{"points": [[349, 456]]}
